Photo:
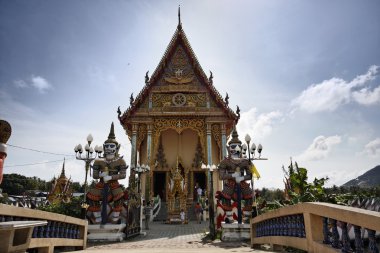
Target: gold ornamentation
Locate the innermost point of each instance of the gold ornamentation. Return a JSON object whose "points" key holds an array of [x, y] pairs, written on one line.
{"points": [[179, 70], [178, 124], [191, 100], [217, 133], [179, 88], [160, 157], [177, 190], [179, 99], [141, 133], [178, 79], [161, 100], [198, 158]]}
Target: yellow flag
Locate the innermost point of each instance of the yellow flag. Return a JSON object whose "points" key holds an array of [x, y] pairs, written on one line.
{"points": [[254, 171]]}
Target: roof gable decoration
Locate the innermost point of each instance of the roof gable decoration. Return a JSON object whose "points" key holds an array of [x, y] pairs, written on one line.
{"points": [[179, 41]]}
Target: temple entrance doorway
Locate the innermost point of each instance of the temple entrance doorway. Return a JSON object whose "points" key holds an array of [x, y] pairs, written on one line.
{"points": [[159, 182], [199, 181]]}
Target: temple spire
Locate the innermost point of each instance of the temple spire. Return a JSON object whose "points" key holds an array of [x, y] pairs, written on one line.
{"points": [[63, 168], [179, 17]]}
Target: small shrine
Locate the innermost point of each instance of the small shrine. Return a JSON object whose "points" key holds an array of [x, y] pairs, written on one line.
{"points": [[177, 192], [61, 189]]}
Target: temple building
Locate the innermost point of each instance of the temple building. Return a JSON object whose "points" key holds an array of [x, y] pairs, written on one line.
{"points": [[177, 122], [61, 189]]}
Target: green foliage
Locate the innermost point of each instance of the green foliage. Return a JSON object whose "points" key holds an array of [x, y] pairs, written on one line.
{"points": [[301, 190], [70, 209], [272, 194], [15, 184], [298, 190]]}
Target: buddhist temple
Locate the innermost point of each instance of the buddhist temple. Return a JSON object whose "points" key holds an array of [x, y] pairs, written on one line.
{"points": [[61, 189], [177, 122]]}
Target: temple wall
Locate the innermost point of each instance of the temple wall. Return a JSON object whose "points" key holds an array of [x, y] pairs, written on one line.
{"points": [[170, 145], [143, 153], [183, 146], [189, 143]]}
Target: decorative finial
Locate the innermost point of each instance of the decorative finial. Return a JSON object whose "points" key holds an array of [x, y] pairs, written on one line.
{"points": [[147, 77], [179, 16], [118, 112], [238, 112], [131, 99], [226, 99], [211, 77], [63, 168]]}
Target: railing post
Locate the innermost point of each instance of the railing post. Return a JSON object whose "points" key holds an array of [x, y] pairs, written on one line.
{"points": [[335, 235], [372, 241], [326, 237], [359, 246], [345, 239], [313, 230]]}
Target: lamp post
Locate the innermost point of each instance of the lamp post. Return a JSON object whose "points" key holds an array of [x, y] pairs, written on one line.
{"points": [[210, 169], [140, 170], [88, 157], [252, 157]]}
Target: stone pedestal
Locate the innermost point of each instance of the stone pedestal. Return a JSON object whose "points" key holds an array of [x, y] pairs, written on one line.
{"points": [[232, 232], [106, 233]]}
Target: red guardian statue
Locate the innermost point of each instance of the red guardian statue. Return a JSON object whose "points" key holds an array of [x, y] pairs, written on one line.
{"points": [[234, 170], [106, 199]]}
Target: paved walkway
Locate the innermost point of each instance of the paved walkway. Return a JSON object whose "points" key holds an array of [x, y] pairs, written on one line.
{"points": [[164, 238]]}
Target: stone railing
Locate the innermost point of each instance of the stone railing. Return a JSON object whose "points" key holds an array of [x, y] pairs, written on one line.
{"points": [[61, 230], [317, 227]]}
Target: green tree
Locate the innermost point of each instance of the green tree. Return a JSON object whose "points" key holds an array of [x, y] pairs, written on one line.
{"points": [[70, 209]]}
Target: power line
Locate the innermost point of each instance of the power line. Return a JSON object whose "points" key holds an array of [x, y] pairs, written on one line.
{"points": [[29, 164], [39, 151]]}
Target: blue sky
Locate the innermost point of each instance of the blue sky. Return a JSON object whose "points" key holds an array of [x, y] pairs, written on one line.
{"points": [[304, 73]]}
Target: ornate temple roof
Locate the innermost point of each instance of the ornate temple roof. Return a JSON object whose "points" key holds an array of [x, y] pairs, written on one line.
{"points": [[179, 39], [61, 188], [63, 177]]}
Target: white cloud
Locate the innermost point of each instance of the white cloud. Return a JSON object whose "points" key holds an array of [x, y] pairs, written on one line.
{"points": [[40, 83], [320, 148], [367, 97], [373, 148], [330, 94], [37, 82], [258, 126]]}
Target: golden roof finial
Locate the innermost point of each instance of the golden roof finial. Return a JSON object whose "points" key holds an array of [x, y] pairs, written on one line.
{"points": [[179, 17]]}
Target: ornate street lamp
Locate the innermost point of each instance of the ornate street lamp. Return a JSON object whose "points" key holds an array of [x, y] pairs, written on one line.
{"points": [[251, 157], [88, 157], [140, 170], [210, 169]]}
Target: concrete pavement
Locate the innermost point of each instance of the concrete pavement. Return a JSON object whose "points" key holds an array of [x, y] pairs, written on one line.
{"points": [[165, 238]]}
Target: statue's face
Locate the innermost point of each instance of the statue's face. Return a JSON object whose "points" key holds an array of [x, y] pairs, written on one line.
{"points": [[235, 150], [110, 150]]}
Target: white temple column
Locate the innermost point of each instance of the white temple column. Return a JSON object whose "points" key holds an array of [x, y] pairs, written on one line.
{"points": [[224, 140], [209, 147]]}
